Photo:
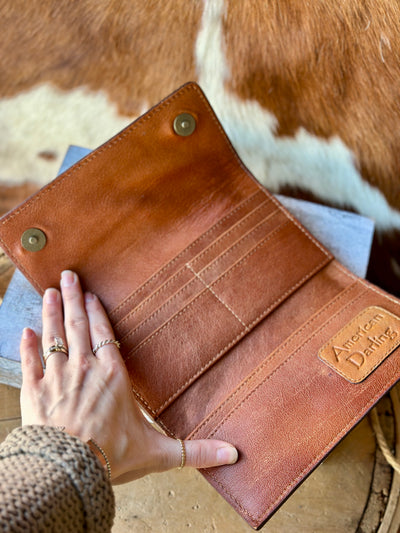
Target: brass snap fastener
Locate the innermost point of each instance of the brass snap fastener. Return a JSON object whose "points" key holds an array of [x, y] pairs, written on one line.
{"points": [[33, 239], [184, 124]]}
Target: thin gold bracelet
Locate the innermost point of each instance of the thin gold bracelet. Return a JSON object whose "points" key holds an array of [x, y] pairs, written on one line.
{"points": [[100, 454]]}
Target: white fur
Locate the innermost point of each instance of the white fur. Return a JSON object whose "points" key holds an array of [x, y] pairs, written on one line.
{"points": [[48, 119], [326, 168]]}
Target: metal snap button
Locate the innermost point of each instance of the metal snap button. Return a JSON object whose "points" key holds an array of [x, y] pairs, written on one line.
{"points": [[184, 124], [33, 240]]}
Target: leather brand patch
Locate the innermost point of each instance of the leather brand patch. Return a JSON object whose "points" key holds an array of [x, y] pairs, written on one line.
{"points": [[362, 344]]}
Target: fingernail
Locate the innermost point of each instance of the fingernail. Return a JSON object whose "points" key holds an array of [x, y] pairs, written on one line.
{"points": [[68, 278], [227, 455], [51, 296], [27, 333], [89, 297]]}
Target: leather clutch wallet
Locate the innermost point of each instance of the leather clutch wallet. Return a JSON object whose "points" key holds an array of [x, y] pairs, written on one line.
{"points": [[235, 322]]}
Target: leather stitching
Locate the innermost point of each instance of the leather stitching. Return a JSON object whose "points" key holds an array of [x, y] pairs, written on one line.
{"points": [[208, 267], [319, 456], [236, 339], [187, 306], [276, 352], [180, 272], [194, 243], [216, 295]]}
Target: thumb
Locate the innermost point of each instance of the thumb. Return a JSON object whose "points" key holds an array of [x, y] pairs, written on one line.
{"points": [[207, 453]]}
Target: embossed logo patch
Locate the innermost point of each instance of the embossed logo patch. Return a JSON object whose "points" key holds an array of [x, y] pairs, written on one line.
{"points": [[362, 344]]}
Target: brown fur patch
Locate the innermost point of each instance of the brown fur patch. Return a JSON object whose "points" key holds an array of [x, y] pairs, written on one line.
{"points": [[330, 68], [137, 52]]}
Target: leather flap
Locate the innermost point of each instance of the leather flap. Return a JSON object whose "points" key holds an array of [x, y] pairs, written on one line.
{"points": [[151, 202]]}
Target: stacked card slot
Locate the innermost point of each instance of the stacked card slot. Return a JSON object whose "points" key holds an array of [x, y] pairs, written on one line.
{"points": [[213, 300], [296, 428], [271, 340], [192, 278], [169, 274]]}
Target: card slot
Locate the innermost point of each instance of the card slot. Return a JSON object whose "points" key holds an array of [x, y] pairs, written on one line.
{"points": [[244, 287], [220, 267], [179, 352], [301, 408], [150, 307], [274, 360], [195, 317], [169, 269], [179, 280], [304, 355], [210, 272], [241, 230], [130, 332], [136, 325], [296, 444]]}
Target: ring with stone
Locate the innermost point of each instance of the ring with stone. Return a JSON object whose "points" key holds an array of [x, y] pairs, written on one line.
{"points": [[58, 346]]}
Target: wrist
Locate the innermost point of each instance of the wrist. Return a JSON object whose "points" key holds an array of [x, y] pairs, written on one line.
{"points": [[101, 455]]}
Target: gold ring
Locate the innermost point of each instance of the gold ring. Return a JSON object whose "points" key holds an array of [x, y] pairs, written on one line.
{"points": [[58, 346], [104, 343], [183, 454]]}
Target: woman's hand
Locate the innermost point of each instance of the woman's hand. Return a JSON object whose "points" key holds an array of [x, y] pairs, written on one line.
{"points": [[90, 395]]}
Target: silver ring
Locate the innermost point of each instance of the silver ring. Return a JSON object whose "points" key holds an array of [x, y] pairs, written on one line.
{"points": [[58, 346], [104, 343]]}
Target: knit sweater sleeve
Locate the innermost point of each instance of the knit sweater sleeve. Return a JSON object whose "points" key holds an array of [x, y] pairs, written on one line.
{"points": [[51, 481]]}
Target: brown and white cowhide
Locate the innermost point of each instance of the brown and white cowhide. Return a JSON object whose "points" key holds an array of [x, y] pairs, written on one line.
{"points": [[308, 92]]}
